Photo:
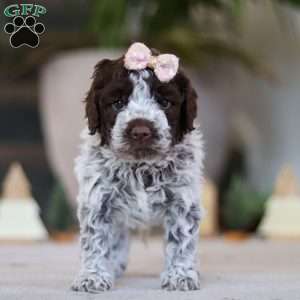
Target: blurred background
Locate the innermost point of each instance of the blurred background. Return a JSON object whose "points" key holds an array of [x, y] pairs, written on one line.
{"points": [[242, 55]]}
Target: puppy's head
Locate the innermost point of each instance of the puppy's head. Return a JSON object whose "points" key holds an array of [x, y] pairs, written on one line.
{"points": [[136, 115]]}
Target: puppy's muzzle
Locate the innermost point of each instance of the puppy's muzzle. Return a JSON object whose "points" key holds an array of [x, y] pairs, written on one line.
{"points": [[141, 136]]}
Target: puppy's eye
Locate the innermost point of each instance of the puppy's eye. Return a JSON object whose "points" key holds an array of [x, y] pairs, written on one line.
{"points": [[118, 105], [164, 103]]}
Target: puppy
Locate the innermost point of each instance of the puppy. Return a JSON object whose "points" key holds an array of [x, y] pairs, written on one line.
{"points": [[140, 164]]}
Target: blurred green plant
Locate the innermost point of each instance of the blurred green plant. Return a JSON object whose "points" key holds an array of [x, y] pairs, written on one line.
{"points": [[197, 30], [118, 22], [243, 207], [171, 24], [59, 215], [293, 2]]}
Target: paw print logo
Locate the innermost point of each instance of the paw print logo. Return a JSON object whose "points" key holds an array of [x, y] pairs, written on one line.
{"points": [[24, 32]]}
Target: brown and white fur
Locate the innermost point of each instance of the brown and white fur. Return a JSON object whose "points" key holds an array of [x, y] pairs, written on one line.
{"points": [[140, 164]]}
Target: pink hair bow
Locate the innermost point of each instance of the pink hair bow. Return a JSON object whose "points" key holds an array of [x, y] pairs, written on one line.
{"points": [[139, 57]]}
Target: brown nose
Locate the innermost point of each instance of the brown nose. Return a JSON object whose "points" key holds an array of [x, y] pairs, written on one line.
{"points": [[141, 133]]}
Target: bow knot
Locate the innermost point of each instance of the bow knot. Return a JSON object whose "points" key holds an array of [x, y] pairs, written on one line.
{"points": [[139, 57]]}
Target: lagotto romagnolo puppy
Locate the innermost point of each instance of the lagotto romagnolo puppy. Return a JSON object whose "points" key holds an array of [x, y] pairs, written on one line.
{"points": [[140, 164]]}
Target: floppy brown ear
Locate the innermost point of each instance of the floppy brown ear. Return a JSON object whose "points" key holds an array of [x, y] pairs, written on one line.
{"points": [[189, 106], [92, 109]]}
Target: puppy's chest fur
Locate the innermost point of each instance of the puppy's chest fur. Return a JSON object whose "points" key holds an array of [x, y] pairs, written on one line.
{"points": [[145, 194], [139, 193]]}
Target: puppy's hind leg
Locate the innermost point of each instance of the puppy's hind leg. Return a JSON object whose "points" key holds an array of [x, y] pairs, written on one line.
{"points": [[120, 249]]}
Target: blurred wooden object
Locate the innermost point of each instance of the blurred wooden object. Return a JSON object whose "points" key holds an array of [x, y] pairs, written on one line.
{"points": [[236, 236], [286, 183], [209, 223], [19, 213], [16, 185], [283, 208], [63, 237]]}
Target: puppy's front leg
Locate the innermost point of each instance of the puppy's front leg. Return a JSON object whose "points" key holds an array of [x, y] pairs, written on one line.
{"points": [[96, 239], [182, 227]]}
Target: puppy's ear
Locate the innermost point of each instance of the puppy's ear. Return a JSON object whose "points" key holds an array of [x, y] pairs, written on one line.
{"points": [[92, 109], [189, 105]]}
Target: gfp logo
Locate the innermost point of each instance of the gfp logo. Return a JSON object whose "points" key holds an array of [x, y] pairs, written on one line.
{"points": [[24, 30]]}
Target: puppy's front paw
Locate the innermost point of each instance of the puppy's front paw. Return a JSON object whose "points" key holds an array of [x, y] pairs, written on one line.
{"points": [[92, 283], [180, 279]]}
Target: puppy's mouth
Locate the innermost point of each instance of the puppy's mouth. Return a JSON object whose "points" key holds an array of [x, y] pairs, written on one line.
{"points": [[128, 152], [143, 153]]}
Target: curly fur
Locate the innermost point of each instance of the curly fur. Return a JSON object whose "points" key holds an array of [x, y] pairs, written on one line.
{"points": [[118, 192]]}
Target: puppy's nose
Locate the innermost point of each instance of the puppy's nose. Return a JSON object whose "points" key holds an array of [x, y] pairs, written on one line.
{"points": [[141, 133]]}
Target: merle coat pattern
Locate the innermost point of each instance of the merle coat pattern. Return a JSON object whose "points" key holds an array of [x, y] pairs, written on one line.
{"points": [[124, 183]]}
